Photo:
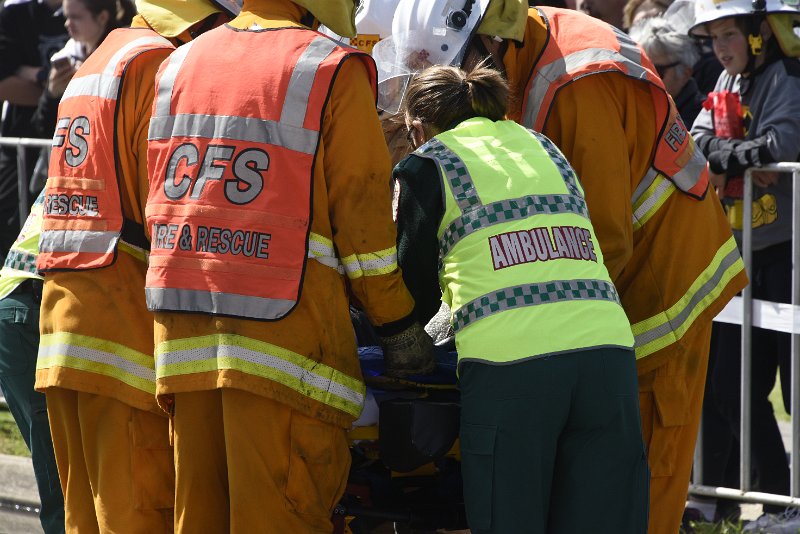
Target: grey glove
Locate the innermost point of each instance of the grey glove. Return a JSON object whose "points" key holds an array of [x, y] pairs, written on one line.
{"points": [[409, 352]]}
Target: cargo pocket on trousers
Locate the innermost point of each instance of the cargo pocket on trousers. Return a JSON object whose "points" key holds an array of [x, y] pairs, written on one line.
{"points": [[477, 456], [671, 401], [319, 462], [152, 464]]}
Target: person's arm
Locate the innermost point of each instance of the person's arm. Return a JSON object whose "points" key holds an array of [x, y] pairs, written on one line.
{"points": [[419, 213], [17, 90], [357, 170]]}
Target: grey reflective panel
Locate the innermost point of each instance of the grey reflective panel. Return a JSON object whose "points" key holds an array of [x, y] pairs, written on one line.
{"points": [[97, 356], [305, 376], [167, 81], [99, 85], [206, 301], [702, 293], [20, 260], [302, 80], [78, 241], [508, 210], [689, 175], [148, 41], [630, 51], [532, 295], [455, 172], [235, 128], [553, 71]]}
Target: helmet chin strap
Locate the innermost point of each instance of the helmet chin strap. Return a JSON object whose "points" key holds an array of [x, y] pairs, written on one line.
{"points": [[754, 39]]}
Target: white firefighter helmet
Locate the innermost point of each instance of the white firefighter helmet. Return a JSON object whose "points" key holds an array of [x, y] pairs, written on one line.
{"points": [[706, 11], [424, 33]]}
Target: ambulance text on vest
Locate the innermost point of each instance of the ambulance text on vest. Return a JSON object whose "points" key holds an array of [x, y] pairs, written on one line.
{"points": [[541, 244]]}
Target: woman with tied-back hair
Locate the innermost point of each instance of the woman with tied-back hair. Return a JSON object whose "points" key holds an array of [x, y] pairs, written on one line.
{"points": [[550, 415]]}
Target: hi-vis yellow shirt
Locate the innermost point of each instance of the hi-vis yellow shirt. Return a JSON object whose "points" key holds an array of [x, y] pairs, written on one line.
{"points": [[308, 359], [672, 258]]}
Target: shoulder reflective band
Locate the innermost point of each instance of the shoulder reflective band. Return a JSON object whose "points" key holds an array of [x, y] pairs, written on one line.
{"points": [[532, 295], [628, 55], [106, 84], [227, 351], [97, 356], [475, 215], [288, 132]]}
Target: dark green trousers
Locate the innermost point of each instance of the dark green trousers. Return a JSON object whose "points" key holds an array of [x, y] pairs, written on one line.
{"points": [[554, 445], [19, 344]]}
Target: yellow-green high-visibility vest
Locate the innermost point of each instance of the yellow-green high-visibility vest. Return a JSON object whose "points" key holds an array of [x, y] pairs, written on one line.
{"points": [[20, 262], [520, 266]]}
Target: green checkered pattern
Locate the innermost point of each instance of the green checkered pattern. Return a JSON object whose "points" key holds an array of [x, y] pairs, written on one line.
{"points": [[455, 172], [19, 260], [532, 295], [566, 170], [508, 210]]}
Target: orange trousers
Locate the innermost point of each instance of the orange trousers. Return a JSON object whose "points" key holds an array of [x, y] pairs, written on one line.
{"points": [[671, 401], [249, 464], [115, 464]]}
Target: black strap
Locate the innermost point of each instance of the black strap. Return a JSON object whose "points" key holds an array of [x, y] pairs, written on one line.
{"points": [[133, 234]]}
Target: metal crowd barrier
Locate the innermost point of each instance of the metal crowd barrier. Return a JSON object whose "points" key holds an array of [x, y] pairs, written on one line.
{"points": [[780, 317], [23, 174]]}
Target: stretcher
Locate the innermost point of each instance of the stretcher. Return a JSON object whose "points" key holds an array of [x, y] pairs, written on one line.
{"points": [[406, 466]]}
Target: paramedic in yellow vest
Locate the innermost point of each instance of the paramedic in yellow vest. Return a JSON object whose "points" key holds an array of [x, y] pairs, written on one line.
{"points": [[661, 230], [20, 295], [549, 409], [95, 361], [269, 209]]}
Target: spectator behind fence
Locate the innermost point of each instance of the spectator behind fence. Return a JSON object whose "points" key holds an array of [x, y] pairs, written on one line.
{"points": [[673, 54], [755, 120], [639, 10], [30, 32], [549, 407]]}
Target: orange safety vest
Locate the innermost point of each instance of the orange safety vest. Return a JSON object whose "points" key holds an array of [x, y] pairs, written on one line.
{"points": [[231, 173], [578, 48], [83, 218]]}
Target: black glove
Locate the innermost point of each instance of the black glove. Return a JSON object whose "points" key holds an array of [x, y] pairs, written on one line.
{"points": [[409, 352], [733, 156]]}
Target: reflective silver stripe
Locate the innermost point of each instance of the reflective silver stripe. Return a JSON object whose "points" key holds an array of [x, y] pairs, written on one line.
{"points": [[97, 356], [508, 210], [235, 128], [455, 172], [206, 301], [688, 176], [99, 85], [167, 80], [19, 260], [78, 241], [302, 80], [646, 182], [675, 323], [532, 295], [357, 265], [656, 195], [106, 84], [629, 55], [305, 376], [324, 254]]}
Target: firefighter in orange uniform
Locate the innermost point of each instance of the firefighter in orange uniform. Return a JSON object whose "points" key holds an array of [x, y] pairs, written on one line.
{"points": [[594, 92], [95, 361], [269, 206]]}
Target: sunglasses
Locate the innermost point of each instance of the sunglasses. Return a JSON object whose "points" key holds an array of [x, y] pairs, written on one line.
{"points": [[662, 69]]}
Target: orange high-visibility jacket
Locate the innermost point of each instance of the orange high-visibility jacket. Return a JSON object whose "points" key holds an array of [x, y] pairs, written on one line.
{"points": [[301, 99], [83, 218], [671, 254], [230, 196]]}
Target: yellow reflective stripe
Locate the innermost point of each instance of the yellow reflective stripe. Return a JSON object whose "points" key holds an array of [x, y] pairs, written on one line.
{"points": [[371, 264], [228, 351], [321, 248], [84, 353], [138, 253], [651, 200], [667, 327]]}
